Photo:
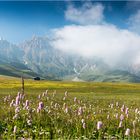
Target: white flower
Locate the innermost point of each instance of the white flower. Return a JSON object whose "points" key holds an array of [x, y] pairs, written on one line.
{"points": [[127, 132], [15, 129], [99, 125]]}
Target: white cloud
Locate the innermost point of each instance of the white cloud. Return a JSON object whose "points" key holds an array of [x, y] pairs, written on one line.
{"points": [[108, 42], [134, 22], [87, 14]]}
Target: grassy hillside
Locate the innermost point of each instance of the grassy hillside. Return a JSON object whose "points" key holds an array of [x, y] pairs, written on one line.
{"points": [[16, 70]]}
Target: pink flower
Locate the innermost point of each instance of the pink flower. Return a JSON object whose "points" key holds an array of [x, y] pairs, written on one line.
{"points": [[17, 100], [126, 110], [41, 105], [18, 94], [99, 125], [121, 117]]}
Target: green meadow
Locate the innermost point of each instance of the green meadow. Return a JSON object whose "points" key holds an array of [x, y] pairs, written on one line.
{"points": [[69, 110]]}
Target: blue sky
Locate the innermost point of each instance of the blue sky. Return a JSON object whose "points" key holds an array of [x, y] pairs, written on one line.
{"points": [[21, 20]]}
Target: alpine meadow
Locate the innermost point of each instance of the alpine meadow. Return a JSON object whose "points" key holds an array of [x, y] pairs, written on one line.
{"points": [[70, 70]]}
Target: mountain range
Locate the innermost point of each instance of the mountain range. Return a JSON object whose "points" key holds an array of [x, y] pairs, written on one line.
{"points": [[37, 57]]}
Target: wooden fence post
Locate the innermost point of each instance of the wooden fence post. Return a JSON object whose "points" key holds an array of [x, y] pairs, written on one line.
{"points": [[22, 86]]}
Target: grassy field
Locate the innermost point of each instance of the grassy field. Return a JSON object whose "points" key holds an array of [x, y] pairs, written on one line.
{"points": [[87, 110]]}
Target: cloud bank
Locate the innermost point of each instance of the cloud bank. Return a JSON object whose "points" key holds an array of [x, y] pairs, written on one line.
{"points": [[92, 39], [107, 42]]}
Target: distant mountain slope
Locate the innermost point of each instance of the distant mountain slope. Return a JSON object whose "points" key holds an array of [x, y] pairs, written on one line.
{"points": [[36, 57], [112, 76]]}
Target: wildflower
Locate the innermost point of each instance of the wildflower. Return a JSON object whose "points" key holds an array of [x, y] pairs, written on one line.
{"points": [[108, 116], [117, 104], [38, 110], [116, 115], [99, 125], [78, 101], [54, 93], [55, 105], [27, 103], [111, 106], [66, 110], [80, 111], [82, 120], [39, 96], [75, 99], [64, 105], [5, 99], [120, 124], [41, 105], [20, 96], [126, 110], [46, 92], [84, 125], [15, 129], [122, 108], [43, 94], [29, 122], [15, 117], [136, 110], [17, 110], [23, 96], [134, 123], [51, 103], [17, 100], [127, 115], [121, 117], [127, 132], [66, 94], [12, 103]]}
